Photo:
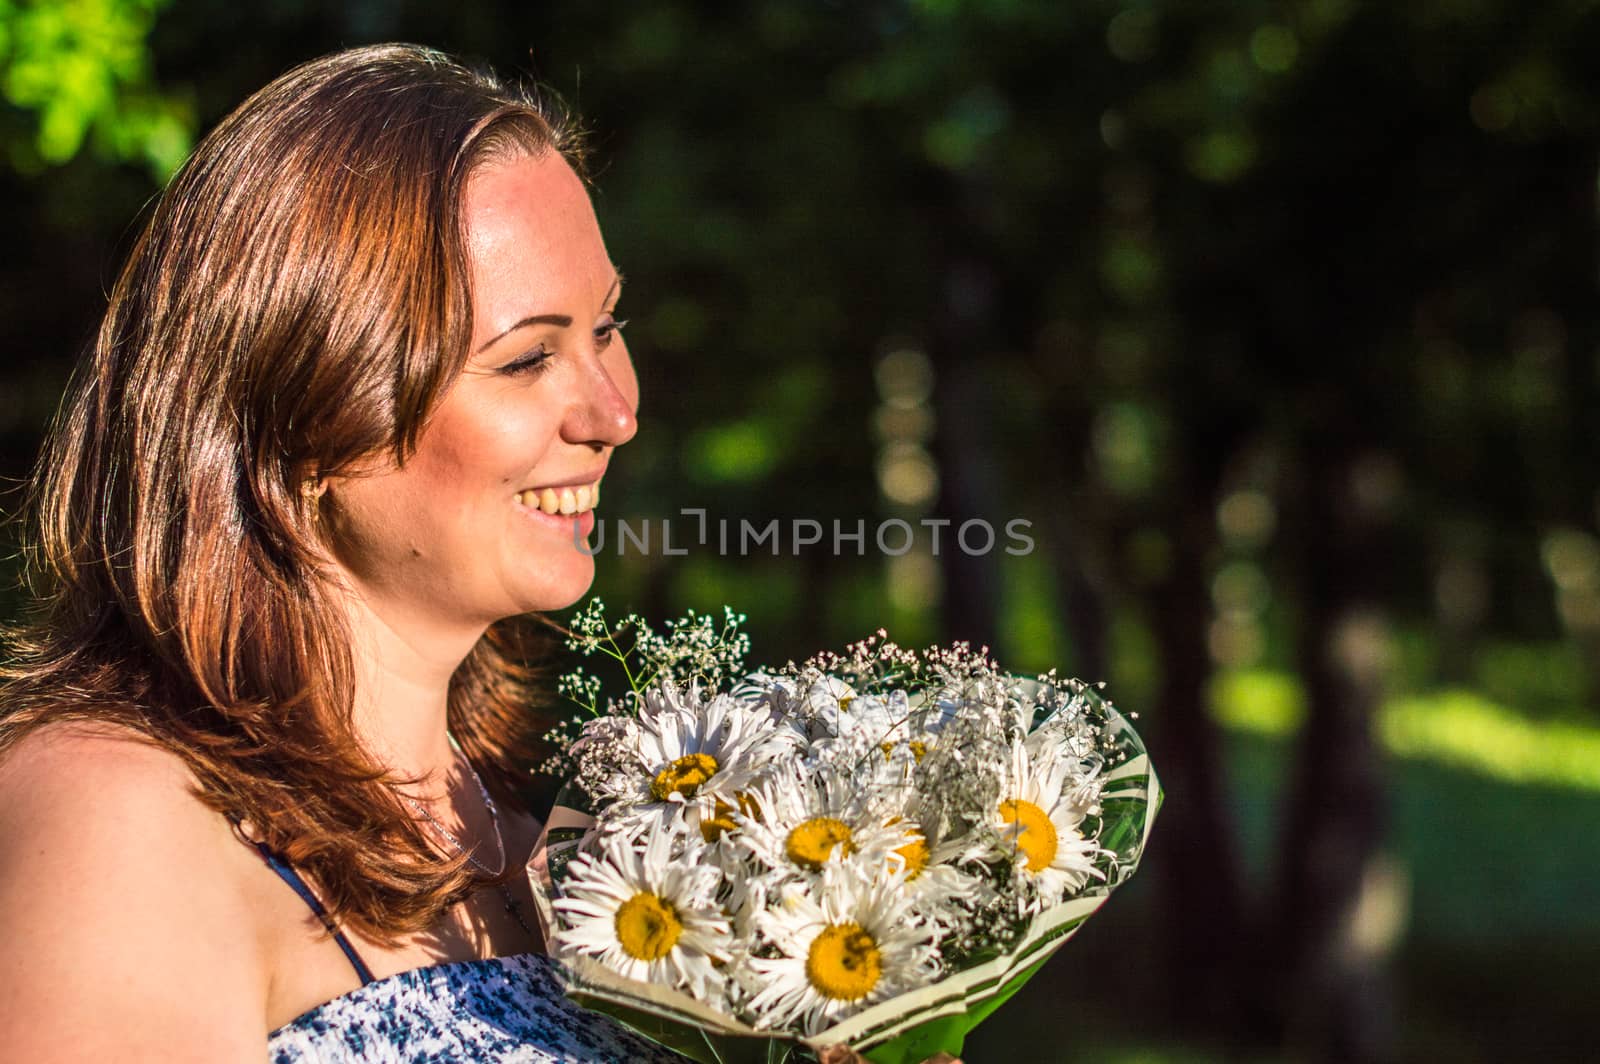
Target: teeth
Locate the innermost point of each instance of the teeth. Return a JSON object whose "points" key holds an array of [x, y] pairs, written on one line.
{"points": [[564, 501]]}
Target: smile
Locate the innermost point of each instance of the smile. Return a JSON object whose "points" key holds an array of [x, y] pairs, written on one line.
{"points": [[561, 501]]}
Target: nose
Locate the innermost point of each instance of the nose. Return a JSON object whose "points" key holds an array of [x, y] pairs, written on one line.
{"points": [[605, 411]]}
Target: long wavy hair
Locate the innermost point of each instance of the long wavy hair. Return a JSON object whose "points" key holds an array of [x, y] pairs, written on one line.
{"points": [[297, 301]]}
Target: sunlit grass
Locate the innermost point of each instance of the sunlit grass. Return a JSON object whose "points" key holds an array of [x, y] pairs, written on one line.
{"points": [[1459, 728], [1464, 729]]}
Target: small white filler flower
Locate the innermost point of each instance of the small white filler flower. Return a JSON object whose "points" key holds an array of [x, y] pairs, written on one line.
{"points": [[648, 914], [851, 939]]}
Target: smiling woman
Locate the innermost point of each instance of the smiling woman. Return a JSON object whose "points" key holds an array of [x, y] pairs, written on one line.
{"points": [[344, 423], [480, 517]]}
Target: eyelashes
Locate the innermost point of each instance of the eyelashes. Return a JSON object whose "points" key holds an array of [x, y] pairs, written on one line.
{"points": [[532, 364], [537, 361], [605, 333]]}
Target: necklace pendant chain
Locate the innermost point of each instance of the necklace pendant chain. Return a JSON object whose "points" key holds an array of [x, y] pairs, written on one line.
{"points": [[455, 843], [513, 908]]}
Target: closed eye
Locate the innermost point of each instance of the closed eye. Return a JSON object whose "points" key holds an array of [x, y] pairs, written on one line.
{"points": [[607, 331], [533, 363]]}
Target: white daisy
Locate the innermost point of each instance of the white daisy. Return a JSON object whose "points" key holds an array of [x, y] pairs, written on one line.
{"points": [[689, 746], [810, 702], [882, 721], [745, 878], [937, 873], [774, 696], [646, 913], [770, 689], [811, 816], [1038, 823], [844, 943]]}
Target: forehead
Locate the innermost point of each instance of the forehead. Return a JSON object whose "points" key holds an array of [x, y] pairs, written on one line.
{"points": [[532, 236]]}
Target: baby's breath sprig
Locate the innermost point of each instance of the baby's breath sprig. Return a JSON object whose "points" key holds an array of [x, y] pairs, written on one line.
{"points": [[560, 739], [693, 649], [696, 648], [591, 633], [992, 922], [877, 664]]}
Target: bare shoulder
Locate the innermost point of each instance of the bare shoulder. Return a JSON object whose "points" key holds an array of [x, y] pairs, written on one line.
{"points": [[79, 792], [125, 930], [39, 758]]}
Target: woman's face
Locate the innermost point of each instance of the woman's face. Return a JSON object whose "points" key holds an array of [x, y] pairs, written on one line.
{"points": [[486, 519]]}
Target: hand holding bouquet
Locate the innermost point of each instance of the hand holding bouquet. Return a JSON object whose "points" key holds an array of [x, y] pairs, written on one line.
{"points": [[873, 849]]}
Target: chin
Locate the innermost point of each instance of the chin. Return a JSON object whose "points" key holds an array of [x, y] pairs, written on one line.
{"points": [[560, 585]]}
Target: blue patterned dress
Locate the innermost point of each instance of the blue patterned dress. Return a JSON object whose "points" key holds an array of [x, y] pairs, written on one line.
{"points": [[504, 1010], [507, 1009]]}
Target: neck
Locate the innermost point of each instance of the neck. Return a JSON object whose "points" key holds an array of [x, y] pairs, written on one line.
{"points": [[403, 667]]}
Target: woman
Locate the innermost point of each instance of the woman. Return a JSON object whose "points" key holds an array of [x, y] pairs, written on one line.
{"points": [[342, 429], [359, 378]]}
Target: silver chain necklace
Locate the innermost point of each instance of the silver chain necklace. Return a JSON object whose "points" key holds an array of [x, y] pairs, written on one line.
{"points": [[512, 907]]}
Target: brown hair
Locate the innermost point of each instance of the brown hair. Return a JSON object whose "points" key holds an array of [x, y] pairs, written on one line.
{"points": [[298, 300]]}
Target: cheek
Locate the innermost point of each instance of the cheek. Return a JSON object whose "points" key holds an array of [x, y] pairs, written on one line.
{"points": [[489, 446]]}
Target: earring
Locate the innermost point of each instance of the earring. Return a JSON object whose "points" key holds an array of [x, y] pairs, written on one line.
{"points": [[312, 488]]}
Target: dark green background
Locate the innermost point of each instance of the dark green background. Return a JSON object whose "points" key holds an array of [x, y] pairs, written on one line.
{"points": [[1277, 320]]}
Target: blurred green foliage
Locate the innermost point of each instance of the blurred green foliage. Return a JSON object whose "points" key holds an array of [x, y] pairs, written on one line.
{"points": [[83, 68]]}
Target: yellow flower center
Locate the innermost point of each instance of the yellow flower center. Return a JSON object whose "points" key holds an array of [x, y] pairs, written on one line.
{"points": [[721, 820], [916, 854], [683, 776], [844, 963], [812, 843], [1035, 835], [844, 702], [647, 927]]}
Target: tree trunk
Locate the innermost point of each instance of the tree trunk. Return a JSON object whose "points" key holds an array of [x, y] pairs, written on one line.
{"points": [[1196, 855], [1335, 908], [964, 327], [968, 493]]}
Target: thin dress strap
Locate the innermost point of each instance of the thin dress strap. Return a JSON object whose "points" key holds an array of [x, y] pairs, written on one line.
{"points": [[291, 877]]}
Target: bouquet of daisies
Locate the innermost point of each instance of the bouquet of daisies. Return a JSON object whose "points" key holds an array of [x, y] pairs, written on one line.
{"points": [[873, 849]]}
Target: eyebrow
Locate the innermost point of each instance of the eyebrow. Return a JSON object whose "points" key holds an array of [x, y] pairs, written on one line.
{"points": [[562, 321]]}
